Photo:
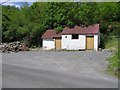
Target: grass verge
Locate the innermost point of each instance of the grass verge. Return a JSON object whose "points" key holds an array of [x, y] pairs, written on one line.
{"points": [[114, 61], [113, 66]]}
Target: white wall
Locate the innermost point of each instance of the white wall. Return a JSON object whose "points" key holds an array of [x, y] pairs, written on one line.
{"points": [[76, 44], [96, 41], [99, 38], [73, 44], [69, 43], [48, 44]]}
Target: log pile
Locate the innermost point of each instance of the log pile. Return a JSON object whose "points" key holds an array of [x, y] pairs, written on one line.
{"points": [[14, 47]]}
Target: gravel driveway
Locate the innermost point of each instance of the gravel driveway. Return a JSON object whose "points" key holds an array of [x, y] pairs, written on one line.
{"points": [[88, 63]]}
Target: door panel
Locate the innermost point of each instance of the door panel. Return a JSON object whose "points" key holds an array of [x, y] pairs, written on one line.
{"points": [[90, 42], [58, 43]]}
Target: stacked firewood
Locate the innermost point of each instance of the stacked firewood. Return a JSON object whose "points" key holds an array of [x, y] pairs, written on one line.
{"points": [[14, 47]]}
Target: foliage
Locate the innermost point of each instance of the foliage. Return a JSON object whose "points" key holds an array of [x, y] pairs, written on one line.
{"points": [[114, 61], [29, 22], [112, 43], [22, 24], [113, 66]]}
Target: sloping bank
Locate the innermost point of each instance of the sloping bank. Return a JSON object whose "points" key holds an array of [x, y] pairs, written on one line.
{"points": [[114, 60]]}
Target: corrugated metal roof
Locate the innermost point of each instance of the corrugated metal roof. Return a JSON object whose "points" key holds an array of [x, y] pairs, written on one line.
{"points": [[57, 35], [49, 34], [92, 29]]}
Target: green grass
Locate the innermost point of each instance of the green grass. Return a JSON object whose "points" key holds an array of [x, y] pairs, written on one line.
{"points": [[113, 65], [112, 44]]}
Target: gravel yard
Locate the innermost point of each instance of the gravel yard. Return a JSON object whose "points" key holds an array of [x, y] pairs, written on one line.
{"points": [[87, 63]]}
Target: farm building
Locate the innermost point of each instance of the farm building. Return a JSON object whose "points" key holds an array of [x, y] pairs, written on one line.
{"points": [[76, 38], [48, 40]]}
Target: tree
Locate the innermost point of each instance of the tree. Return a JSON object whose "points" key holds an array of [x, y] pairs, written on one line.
{"points": [[29, 22], [9, 23]]}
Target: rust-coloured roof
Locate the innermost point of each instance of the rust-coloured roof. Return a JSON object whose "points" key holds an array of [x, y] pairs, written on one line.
{"points": [[92, 29], [57, 35], [49, 34]]}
